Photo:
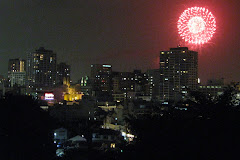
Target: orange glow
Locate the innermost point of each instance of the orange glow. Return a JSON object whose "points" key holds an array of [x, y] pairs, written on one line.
{"points": [[72, 95]]}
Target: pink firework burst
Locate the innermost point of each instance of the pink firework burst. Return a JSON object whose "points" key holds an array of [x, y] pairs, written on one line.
{"points": [[196, 25]]}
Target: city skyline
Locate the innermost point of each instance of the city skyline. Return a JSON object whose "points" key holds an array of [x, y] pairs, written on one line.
{"points": [[127, 35]]}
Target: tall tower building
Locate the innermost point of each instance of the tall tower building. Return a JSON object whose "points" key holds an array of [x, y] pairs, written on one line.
{"points": [[178, 74], [16, 72], [41, 69], [101, 77], [153, 83], [63, 74]]}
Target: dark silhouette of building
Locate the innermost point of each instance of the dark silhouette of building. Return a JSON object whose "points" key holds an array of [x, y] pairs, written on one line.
{"points": [[101, 81], [63, 74], [101, 77], [213, 88], [153, 83], [16, 72], [178, 74], [16, 65], [2, 86], [85, 86], [129, 84], [41, 69]]}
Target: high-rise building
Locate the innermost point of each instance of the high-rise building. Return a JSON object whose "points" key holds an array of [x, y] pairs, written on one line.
{"points": [[41, 69], [130, 84], [16, 72], [178, 74], [101, 81], [153, 83], [63, 74], [123, 82], [101, 77]]}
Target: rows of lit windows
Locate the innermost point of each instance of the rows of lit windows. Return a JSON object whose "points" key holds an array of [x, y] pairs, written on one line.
{"points": [[210, 86]]}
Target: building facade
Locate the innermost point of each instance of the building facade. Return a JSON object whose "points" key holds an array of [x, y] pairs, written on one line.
{"points": [[17, 78], [41, 69], [153, 83], [178, 74], [16, 65], [85, 86], [101, 77], [129, 84], [213, 88], [63, 74], [16, 72]]}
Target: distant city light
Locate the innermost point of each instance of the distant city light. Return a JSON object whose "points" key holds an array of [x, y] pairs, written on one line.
{"points": [[199, 81], [107, 66]]}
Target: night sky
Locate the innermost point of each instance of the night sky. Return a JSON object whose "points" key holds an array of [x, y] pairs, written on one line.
{"points": [[127, 34]]}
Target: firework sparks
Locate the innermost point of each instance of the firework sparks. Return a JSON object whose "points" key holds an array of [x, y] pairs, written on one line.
{"points": [[196, 25]]}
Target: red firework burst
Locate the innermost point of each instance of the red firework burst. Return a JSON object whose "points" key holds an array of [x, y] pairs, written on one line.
{"points": [[196, 25]]}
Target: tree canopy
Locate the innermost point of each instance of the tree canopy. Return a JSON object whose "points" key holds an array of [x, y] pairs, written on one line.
{"points": [[25, 129]]}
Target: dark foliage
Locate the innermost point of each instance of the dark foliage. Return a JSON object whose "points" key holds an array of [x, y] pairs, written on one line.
{"points": [[25, 130], [209, 131]]}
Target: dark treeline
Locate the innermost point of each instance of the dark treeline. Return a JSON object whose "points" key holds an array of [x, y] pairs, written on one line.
{"points": [[209, 129], [25, 130]]}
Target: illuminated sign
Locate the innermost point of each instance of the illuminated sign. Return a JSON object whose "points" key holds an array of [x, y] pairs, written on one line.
{"points": [[107, 66], [49, 96]]}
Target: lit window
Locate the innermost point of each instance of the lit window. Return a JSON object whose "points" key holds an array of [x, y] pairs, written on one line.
{"points": [[41, 56], [112, 145]]}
